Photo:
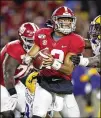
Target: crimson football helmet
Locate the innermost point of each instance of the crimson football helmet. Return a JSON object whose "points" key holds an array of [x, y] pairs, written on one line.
{"points": [[26, 33], [63, 12]]}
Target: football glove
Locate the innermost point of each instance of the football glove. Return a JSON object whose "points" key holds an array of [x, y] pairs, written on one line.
{"points": [[75, 59], [31, 81]]}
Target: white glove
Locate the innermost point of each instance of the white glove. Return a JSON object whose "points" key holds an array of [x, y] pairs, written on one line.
{"points": [[84, 61], [27, 59], [10, 103]]}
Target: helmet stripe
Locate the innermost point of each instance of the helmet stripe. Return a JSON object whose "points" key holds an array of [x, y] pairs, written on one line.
{"points": [[66, 10]]}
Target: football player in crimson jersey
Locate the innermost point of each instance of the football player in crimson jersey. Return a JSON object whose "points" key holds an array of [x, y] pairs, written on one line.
{"points": [[12, 70], [79, 87], [55, 77]]}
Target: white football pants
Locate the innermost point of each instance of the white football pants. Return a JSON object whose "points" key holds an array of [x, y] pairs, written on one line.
{"points": [[43, 100], [20, 88]]}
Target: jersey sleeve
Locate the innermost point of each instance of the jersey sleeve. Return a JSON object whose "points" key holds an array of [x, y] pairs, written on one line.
{"points": [[14, 52], [36, 40], [2, 53], [77, 46]]}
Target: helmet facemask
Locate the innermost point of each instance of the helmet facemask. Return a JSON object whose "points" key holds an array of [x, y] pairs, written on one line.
{"points": [[27, 43], [95, 33], [26, 34], [64, 27]]}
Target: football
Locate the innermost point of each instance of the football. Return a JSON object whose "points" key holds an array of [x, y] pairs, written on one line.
{"points": [[37, 62]]}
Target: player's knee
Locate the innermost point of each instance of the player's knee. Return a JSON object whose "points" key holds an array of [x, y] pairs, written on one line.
{"points": [[7, 114]]}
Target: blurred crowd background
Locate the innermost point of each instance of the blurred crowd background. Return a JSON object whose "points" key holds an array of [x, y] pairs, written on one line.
{"points": [[16, 12]]}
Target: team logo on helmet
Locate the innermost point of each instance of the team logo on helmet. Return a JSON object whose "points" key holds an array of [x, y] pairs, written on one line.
{"points": [[21, 30], [26, 33]]}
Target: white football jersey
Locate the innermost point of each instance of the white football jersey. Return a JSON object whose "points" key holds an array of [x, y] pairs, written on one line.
{"points": [[96, 48]]}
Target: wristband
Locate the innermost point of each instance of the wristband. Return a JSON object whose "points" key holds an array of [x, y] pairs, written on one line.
{"points": [[83, 61], [56, 65], [12, 91]]}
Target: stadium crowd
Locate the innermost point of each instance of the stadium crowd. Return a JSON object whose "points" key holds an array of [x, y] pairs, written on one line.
{"points": [[14, 13]]}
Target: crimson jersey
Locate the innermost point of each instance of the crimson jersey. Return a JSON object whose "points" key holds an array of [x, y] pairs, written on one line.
{"points": [[72, 43], [15, 50]]}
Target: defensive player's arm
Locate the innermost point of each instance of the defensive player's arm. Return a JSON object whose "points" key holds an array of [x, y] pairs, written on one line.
{"points": [[9, 67], [94, 60], [86, 61]]}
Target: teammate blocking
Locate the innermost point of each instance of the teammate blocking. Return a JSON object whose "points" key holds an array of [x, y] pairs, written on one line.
{"points": [[13, 71]]}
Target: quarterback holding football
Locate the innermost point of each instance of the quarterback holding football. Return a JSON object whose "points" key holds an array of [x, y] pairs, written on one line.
{"points": [[54, 78]]}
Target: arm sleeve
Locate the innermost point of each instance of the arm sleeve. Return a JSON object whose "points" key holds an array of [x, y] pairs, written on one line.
{"points": [[13, 52]]}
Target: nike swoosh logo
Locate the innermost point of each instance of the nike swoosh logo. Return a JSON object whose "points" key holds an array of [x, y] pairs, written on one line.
{"points": [[63, 46], [55, 79]]}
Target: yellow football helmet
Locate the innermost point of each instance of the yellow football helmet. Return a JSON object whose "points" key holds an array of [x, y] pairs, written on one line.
{"points": [[31, 81], [97, 20], [95, 29]]}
